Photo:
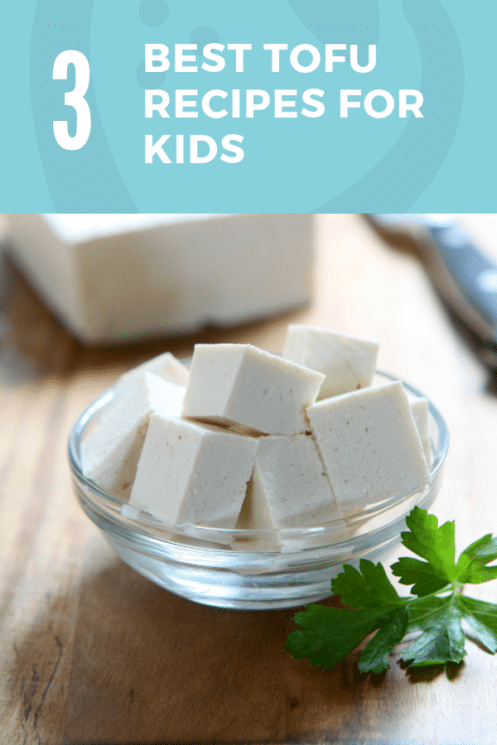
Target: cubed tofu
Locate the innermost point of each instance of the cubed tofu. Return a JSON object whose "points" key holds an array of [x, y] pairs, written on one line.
{"points": [[111, 452], [193, 473], [165, 365], [289, 489], [370, 445], [290, 484], [242, 386], [347, 362], [255, 515], [420, 411]]}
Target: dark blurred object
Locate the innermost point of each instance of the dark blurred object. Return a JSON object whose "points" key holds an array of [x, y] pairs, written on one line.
{"points": [[464, 277]]}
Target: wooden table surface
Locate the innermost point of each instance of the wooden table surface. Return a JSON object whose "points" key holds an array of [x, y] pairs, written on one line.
{"points": [[91, 652]]}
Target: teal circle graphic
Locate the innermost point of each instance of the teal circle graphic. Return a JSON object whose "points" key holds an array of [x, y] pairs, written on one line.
{"points": [[203, 35], [149, 79], [153, 12]]}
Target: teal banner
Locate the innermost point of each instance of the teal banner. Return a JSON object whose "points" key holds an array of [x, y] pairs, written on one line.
{"points": [[248, 106]]}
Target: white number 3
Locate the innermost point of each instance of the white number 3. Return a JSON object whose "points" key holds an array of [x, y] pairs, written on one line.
{"points": [[74, 98]]}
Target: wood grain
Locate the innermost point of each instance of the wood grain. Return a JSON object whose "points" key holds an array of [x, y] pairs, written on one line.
{"points": [[91, 652]]}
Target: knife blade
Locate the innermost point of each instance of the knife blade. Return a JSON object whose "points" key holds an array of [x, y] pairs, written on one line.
{"points": [[465, 278]]}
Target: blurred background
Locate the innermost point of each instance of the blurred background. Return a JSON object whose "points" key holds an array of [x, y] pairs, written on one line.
{"points": [[101, 293]]}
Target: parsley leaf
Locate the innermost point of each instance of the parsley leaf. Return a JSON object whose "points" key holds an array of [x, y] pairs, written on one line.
{"points": [[482, 618], [369, 588], [472, 564], [330, 634], [425, 578], [435, 608], [327, 632], [392, 630], [442, 637], [435, 544]]}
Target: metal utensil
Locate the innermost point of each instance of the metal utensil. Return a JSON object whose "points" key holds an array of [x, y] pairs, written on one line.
{"points": [[465, 278]]}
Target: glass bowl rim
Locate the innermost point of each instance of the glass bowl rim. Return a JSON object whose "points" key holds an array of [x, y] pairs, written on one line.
{"points": [[143, 520]]}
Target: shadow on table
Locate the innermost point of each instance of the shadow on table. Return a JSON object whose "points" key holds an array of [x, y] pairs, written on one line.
{"points": [[141, 665]]}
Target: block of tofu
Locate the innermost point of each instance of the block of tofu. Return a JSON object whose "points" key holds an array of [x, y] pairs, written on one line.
{"points": [[288, 489], [193, 473], [370, 445], [349, 363], [242, 386], [165, 365], [420, 411], [111, 452], [118, 278]]}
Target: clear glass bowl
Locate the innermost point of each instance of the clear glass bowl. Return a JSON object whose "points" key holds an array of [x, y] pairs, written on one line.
{"points": [[234, 568]]}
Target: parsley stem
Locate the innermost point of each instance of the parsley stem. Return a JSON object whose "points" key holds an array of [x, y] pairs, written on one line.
{"points": [[449, 588]]}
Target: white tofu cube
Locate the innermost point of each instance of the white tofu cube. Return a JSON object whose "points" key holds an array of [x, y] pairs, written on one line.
{"points": [[165, 365], [242, 386], [192, 473], [290, 484], [255, 515], [289, 489], [111, 452], [348, 362], [369, 444], [420, 409]]}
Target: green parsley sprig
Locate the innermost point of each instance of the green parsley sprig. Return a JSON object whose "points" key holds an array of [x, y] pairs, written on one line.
{"points": [[435, 607]]}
